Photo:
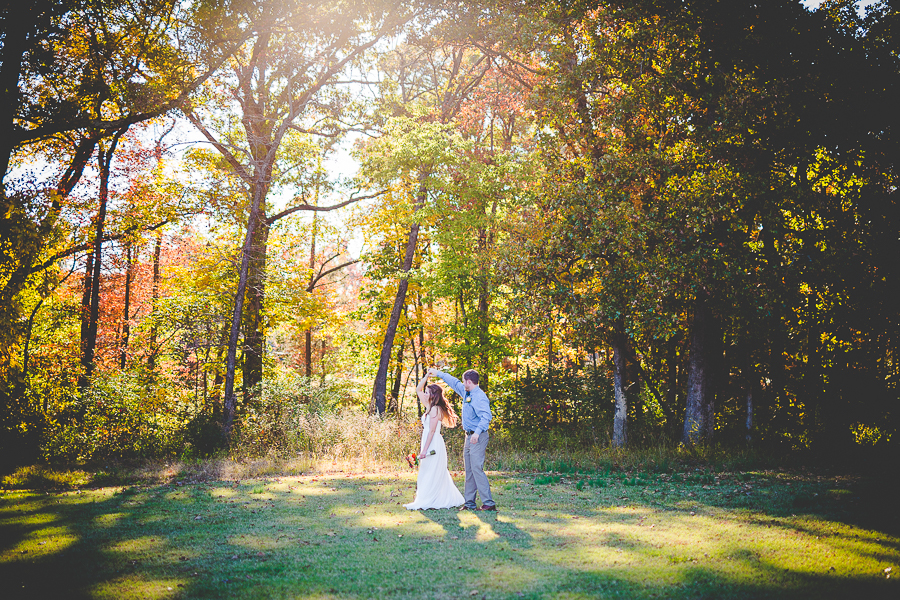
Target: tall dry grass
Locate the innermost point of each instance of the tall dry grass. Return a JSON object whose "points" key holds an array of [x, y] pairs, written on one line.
{"points": [[346, 435]]}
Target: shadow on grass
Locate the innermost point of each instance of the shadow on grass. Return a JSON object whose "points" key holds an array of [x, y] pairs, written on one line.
{"points": [[333, 538]]}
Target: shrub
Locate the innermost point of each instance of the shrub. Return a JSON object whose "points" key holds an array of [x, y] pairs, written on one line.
{"points": [[563, 408], [120, 416]]}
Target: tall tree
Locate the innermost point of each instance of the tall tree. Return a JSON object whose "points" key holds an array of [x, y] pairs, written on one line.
{"points": [[75, 73], [280, 81], [434, 80], [90, 311]]}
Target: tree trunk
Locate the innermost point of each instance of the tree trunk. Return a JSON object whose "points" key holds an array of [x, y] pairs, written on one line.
{"points": [[154, 300], [774, 394], [824, 421], [15, 47], [312, 266], [90, 342], [231, 360], [309, 346], [89, 339], [620, 379], [26, 350], [254, 333], [126, 316], [483, 335], [378, 389], [398, 378], [485, 247], [633, 390], [750, 382], [218, 377], [699, 416], [673, 365], [465, 327], [550, 344], [749, 421], [87, 286], [424, 358], [322, 371]]}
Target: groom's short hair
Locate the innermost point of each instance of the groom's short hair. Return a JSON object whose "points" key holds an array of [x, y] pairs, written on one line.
{"points": [[471, 375]]}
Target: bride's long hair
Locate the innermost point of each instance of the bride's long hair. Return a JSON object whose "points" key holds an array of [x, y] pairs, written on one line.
{"points": [[448, 417]]}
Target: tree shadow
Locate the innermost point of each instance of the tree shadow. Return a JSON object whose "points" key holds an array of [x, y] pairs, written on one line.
{"points": [[247, 544], [489, 526]]}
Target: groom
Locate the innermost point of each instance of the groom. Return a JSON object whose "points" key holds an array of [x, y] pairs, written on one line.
{"points": [[476, 416]]}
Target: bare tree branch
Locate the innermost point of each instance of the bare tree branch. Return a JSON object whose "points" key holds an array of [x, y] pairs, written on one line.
{"points": [[318, 132], [76, 249], [315, 280], [313, 208], [231, 158]]}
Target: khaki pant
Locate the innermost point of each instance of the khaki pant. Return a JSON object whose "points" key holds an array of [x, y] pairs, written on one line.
{"points": [[476, 480]]}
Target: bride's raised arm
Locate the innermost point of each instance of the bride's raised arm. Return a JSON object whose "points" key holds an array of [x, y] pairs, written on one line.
{"points": [[420, 389]]}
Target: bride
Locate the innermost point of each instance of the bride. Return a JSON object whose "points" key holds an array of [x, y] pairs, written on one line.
{"points": [[435, 488]]}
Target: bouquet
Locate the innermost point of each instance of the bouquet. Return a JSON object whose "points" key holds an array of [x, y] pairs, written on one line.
{"points": [[413, 459]]}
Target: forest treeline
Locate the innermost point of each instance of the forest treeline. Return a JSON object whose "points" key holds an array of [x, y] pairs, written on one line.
{"points": [[644, 221]]}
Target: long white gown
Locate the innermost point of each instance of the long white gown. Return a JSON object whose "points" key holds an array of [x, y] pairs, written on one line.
{"points": [[435, 487]]}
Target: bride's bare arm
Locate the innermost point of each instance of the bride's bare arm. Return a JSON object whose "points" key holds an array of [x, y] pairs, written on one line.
{"points": [[420, 389], [432, 427]]}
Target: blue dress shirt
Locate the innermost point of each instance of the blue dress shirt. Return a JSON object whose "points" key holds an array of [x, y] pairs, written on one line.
{"points": [[476, 411]]}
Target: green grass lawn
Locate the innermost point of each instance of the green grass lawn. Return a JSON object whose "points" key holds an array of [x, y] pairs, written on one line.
{"points": [[346, 535]]}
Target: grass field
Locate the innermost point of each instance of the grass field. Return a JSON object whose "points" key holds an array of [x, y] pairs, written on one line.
{"points": [[685, 533]]}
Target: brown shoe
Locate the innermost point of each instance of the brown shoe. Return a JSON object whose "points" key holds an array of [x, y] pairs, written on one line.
{"points": [[464, 507], [486, 507]]}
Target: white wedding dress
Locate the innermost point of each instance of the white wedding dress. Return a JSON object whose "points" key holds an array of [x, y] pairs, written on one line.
{"points": [[435, 487]]}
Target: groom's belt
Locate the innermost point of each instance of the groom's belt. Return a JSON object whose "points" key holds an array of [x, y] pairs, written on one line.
{"points": [[472, 432]]}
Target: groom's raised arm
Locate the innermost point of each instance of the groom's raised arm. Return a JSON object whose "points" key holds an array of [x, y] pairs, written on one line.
{"points": [[454, 383]]}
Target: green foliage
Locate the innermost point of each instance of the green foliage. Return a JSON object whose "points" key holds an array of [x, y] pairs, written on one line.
{"points": [[203, 436], [120, 415], [542, 408]]}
